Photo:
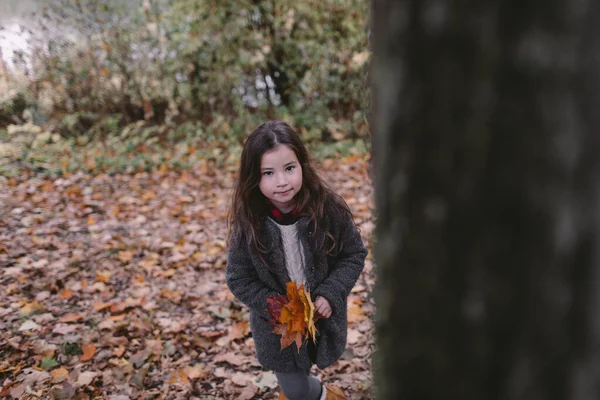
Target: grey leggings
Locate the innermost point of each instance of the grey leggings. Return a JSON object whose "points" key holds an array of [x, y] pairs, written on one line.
{"points": [[299, 385]]}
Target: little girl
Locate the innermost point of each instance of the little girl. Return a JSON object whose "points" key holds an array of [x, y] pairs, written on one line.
{"points": [[287, 225]]}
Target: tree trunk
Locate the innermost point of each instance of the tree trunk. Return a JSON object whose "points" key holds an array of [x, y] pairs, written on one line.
{"points": [[487, 173]]}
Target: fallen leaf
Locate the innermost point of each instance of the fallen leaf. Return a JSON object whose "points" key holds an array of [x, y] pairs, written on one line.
{"points": [[103, 276], [63, 392], [335, 393], [88, 352], [29, 325], [66, 294], [195, 372], [179, 376], [183, 377], [230, 358], [354, 336], [59, 374], [139, 358], [125, 256], [64, 329], [71, 317], [241, 379], [266, 380], [48, 363], [18, 391], [221, 373], [31, 376], [239, 330], [31, 308], [85, 378], [100, 306], [119, 352], [248, 393]]}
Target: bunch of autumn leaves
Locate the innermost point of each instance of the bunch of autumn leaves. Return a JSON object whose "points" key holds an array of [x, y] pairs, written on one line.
{"points": [[293, 315]]}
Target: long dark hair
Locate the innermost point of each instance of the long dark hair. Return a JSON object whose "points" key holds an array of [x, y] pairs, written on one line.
{"points": [[249, 204]]}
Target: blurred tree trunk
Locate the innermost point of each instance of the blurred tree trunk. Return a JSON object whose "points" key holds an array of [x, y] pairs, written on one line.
{"points": [[487, 172]]}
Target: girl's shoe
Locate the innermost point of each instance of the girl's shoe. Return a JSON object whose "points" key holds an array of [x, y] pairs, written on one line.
{"points": [[329, 393]]}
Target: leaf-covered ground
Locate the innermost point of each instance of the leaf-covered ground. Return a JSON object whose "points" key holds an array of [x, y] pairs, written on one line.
{"points": [[114, 287]]}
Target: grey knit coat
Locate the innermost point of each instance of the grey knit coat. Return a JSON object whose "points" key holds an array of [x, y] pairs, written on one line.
{"points": [[332, 277]]}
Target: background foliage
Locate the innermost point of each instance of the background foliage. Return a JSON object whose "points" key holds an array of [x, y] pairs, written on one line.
{"points": [[198, 72]]}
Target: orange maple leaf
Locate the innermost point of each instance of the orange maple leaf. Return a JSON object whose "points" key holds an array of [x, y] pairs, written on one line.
{"points": [[293, 316]]}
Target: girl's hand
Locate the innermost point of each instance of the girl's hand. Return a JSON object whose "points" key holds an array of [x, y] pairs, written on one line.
{"points": [[322, 307]]}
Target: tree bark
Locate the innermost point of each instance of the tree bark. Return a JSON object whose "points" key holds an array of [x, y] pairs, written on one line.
{"points": [[487, 173]]}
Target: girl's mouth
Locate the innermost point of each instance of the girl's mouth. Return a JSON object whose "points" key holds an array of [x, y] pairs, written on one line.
{"points": [[284, 193]]}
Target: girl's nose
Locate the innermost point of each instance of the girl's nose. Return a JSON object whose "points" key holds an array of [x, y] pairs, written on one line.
{"points": [[281, 180]]}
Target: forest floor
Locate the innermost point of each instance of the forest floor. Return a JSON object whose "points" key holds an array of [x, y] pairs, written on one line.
{"points": [[113, 286]]}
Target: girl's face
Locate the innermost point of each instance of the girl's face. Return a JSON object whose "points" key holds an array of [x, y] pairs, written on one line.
{"points": [[280, 177]]}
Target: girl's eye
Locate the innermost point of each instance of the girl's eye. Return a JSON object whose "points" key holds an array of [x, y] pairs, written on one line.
{"points": [[267, 173], [290, 168]]}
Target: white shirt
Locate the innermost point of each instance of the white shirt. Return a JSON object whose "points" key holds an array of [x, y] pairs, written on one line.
{"points": [[293, 252]]}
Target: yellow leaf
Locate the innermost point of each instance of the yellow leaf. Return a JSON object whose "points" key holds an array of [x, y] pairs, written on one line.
{"points": [[88, 352], [296, 316], [91, 220]]}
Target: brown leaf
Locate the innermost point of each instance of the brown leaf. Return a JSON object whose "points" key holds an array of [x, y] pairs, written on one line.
{"points": [[85, 378], [335, 393], [241, 379], [195, 372], [70, 317], [125, 256], [59, 374], [179, 376], [103, 276], [88, 352], [66, 294], [248, 393], [119, 352], [31, 308], [99, 306], [239, 330], [230, 358], [63, 392]]}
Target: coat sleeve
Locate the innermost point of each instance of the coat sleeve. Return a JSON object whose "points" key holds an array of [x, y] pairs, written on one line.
{"points": [[346, 268], [244, 282]]}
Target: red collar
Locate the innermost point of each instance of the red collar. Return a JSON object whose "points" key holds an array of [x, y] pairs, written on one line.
{"points": [[284, 219]]}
